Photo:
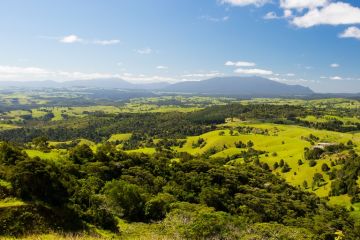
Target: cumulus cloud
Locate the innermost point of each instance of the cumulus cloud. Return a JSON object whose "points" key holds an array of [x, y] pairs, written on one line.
{"points": [[144, 51], [351, 32], [287, 13], [271, 15], [302, 4], [71, 39], [253, 71], [240, 64], [337, 13], [242, 3], [334, 65]]}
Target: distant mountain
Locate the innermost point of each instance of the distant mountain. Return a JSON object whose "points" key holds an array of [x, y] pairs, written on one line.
{"points": [[239, 86], [226, 86], [111, 83]]}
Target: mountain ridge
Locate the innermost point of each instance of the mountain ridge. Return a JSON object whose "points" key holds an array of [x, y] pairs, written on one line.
{"points": [[231, 86]]}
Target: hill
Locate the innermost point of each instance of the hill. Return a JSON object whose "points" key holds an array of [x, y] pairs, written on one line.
{"points": [[239, 86]]}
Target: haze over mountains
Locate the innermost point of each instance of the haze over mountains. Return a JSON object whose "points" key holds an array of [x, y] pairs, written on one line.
{"points": [[228, 86]]}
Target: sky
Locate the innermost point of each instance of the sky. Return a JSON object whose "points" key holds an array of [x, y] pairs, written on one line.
{"points": [[313, 43]]}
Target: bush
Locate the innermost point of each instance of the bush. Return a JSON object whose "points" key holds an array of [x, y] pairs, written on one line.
{"points": [[125, 199], [312, 163], [157, 207]]}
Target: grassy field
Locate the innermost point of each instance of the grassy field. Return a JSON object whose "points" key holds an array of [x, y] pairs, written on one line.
{"points": [[318, 103], [288, 142], [54, 154], [119, 137]]}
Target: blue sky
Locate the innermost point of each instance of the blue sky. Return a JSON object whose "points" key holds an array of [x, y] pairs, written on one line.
{"points": [[314, 43]]}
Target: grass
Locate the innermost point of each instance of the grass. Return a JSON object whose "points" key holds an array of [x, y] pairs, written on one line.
{"points": [[326, 118], [11, 202], [5, 184], [4, 126], [286, 141], [119, 137], [318, 103], [148, 151], [54, 154]]}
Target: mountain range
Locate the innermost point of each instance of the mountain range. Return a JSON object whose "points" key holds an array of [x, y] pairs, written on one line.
{"points": [[228, 86]]}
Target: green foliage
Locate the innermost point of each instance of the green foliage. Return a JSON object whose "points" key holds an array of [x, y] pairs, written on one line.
{"points": [[35, 179], [9, 154], [157, 207], [125, 200], [81, 153]]}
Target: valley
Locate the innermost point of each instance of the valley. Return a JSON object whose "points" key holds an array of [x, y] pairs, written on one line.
{"points": [[305, 146]]}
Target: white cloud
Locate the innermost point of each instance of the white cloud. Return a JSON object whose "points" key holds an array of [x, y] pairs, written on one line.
{"points": [[287, 13], [202, 75], [141, 78], [290, 74], [336, 78], [76, 39], [334, 65], [271, 15], [144, 51], [242, 3], [240, 64], [36, 73], [161, 67], [214, 19], [15, 72], [302, 4], [71, 39], [351, 32], [106, 42], [253, 71], [337, 13]]}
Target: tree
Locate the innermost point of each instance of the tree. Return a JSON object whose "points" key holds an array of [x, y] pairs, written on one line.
{"points": [[281, 164], [41, 143], [157, 207], [10, 154], [305, 184], [325, 167], [125, 199], [250, 144], [300, 162], [276, 165], [35, 179], [312, 163], [286, 168], [81, 153]]}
